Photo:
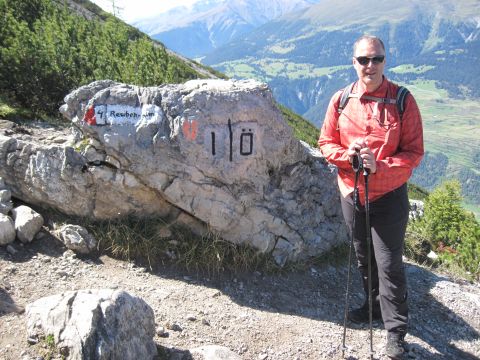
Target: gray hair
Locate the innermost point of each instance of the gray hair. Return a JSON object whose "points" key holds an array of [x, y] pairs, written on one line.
{"points": [[369, 38]]}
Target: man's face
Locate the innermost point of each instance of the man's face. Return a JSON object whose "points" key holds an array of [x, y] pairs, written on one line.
{"points": [[370, 74]]}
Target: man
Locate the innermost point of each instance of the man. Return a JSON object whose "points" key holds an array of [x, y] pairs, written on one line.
{"points": [[390, 146]]}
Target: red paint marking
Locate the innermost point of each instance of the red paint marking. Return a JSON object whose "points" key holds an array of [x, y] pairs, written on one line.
{"points": [[90, 116], [190, 128]]}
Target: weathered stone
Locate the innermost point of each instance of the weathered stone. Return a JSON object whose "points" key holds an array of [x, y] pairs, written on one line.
{"points": [[6, 124], [218, 151], [5, 208], [11, 250], [196, 226], [7, 230], [27, 223], [95, 324], [214, 352], [77, 238], [92, 155], [416, 209], [5, 196]]}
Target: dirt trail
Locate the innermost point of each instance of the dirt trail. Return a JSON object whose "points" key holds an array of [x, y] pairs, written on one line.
{"points": [[290, 316]]}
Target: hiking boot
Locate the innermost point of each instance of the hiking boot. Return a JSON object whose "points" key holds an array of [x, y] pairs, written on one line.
{"points": [[360, 315], [395, 344]]}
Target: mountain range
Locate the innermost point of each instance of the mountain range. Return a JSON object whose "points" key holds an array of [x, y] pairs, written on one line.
{"points": [[208, 24], [305, 56]]}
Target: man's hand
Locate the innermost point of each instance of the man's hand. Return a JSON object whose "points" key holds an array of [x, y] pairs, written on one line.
{"points": [[354, 147], [361, 146]]}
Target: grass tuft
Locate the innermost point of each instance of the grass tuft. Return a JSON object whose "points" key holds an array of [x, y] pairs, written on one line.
{"points": [[158, 242]]}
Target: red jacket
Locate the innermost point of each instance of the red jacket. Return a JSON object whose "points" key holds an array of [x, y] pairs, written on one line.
{"points": [[397, 145]]}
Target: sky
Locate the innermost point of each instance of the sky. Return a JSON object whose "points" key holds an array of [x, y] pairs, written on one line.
{"points": [[132, 10]]}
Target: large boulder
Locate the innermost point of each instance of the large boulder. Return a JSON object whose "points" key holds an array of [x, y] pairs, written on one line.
{"points": [[218, 151], [95, 324]]}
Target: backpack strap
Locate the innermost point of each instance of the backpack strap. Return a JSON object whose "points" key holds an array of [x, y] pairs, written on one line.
{"points": [[402, 93], [346, 92]]}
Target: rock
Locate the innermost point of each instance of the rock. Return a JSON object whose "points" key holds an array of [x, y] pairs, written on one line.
{"points": [[416, 209], [6, 124], [10, 307], [27, 223], [11, 250], [5, 208], [95, 324], [161, 332], [164, 233], [213, 352], [196, 226], [7, 230], [92, 155], [77, 238], [5, 196], [6, 204], [215, 155]]}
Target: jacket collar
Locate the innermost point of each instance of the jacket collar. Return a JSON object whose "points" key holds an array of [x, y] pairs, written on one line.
{"points": [[379, 92]]}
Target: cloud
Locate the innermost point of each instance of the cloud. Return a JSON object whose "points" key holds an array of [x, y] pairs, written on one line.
{"points": [[132, 10]]}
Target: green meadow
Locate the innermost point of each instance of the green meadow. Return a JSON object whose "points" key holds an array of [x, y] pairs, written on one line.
{"points": [[267, 68], [451, 126]]}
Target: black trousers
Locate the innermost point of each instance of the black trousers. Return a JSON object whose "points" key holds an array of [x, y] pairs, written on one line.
{"points": [[388, 221]]}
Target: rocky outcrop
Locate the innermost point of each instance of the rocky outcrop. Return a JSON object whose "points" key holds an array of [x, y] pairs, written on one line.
{"points": [[214, 152], [95, 324]]}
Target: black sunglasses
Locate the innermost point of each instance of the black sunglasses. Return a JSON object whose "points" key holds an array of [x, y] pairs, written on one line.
{"points": [[364, 60]]}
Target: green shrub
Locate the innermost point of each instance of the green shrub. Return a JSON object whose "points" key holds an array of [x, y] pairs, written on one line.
{"points": [[452, 232], [444, 215], [468, 256], [303, 129], [416, 192]]}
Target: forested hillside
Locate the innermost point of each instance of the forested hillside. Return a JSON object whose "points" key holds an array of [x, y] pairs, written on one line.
{"points": [[48, 48]]}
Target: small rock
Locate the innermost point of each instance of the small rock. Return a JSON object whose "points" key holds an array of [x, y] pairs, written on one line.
{"points": [[32, 340], [7, 230], [77, 238], [5, 196], [27, 223], [69, 254], [174, 327], [191, 317], [161, 332], [11, 250], [164, 233], [209, 352]]}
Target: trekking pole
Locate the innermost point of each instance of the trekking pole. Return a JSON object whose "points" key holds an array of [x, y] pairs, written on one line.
{"points": [[356, 166], [369, 255]]}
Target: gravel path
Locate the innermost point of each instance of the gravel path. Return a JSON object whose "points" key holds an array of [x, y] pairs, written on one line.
{"points": [[289, 316]]}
